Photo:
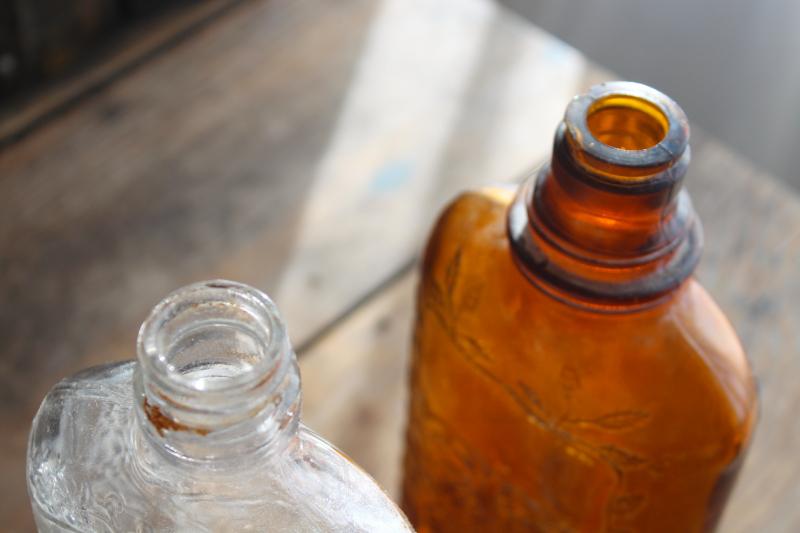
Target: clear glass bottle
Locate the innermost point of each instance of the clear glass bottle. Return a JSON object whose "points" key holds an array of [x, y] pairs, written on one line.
{"points": [[568, 372], [203, 433]]}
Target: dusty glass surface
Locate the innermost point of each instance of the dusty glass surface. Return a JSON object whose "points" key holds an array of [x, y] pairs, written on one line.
{"points": [[201, 434]]}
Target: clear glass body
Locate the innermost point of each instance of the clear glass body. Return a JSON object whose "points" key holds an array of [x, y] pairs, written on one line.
{"points": [[202, 433], [568, 373]]}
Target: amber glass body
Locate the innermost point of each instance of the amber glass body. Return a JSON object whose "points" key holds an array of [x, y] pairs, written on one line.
{"points": [[568, 373]]}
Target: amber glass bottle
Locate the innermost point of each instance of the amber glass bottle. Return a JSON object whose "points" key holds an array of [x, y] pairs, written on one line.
{"points": [[568, 372]]}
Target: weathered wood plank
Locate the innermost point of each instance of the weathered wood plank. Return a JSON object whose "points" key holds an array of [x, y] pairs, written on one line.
{"points": [[354, 382]]}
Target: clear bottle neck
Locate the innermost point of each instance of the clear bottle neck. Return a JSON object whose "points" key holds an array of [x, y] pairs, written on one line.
{"points": [[606, 224], [216, 379]]}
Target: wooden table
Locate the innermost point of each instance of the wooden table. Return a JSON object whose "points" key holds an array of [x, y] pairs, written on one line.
{"points": [[304, 147]]}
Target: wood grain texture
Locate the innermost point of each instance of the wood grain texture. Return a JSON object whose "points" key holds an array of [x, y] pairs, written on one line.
{"points": [[354, 382], [304, 147]]}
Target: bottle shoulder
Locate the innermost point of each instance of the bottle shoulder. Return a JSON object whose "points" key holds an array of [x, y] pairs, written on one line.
{"points": [[674, 356], [472, 224], [475, 208], [473, 227], [91, 469]]}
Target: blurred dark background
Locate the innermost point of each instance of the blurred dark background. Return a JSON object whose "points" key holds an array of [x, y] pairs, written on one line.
{"points": [[731, 64], [41, 40]]}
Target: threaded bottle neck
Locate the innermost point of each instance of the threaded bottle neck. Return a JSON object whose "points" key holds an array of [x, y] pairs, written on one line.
{"points": [[216, 377], [606, 223]]}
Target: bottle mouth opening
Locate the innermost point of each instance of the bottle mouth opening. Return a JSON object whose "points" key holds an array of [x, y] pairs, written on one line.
{"points": [[627, 122], [626, 131], [211, 337]]}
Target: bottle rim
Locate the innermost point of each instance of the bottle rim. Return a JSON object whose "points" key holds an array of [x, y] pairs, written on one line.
{"points": [[218, 299], [665, 113]]}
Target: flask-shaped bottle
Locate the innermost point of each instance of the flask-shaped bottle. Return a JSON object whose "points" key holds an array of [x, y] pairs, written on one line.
{"points": [[201, 434], [568, 372]]}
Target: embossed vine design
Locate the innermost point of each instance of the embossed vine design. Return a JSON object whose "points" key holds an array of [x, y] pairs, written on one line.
{"points": [[510, 508], [440, 299]]}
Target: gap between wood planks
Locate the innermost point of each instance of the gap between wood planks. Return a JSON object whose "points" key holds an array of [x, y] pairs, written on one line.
{"points": [[351, 309], [136, 49], [393, 278]]}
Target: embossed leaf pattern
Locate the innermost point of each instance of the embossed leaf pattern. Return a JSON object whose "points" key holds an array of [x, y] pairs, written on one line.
{"points": [[474, 347], [530, 394], [621, 459], [616, 421], [451, 274], [435, 294], [440, 294]]}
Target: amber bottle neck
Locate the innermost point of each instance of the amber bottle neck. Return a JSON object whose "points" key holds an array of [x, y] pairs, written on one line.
{"points": [[606, 223]]}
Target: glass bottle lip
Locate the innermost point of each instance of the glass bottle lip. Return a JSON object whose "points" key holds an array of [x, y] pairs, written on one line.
{"points": [[662, 108], [227, 296]]}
